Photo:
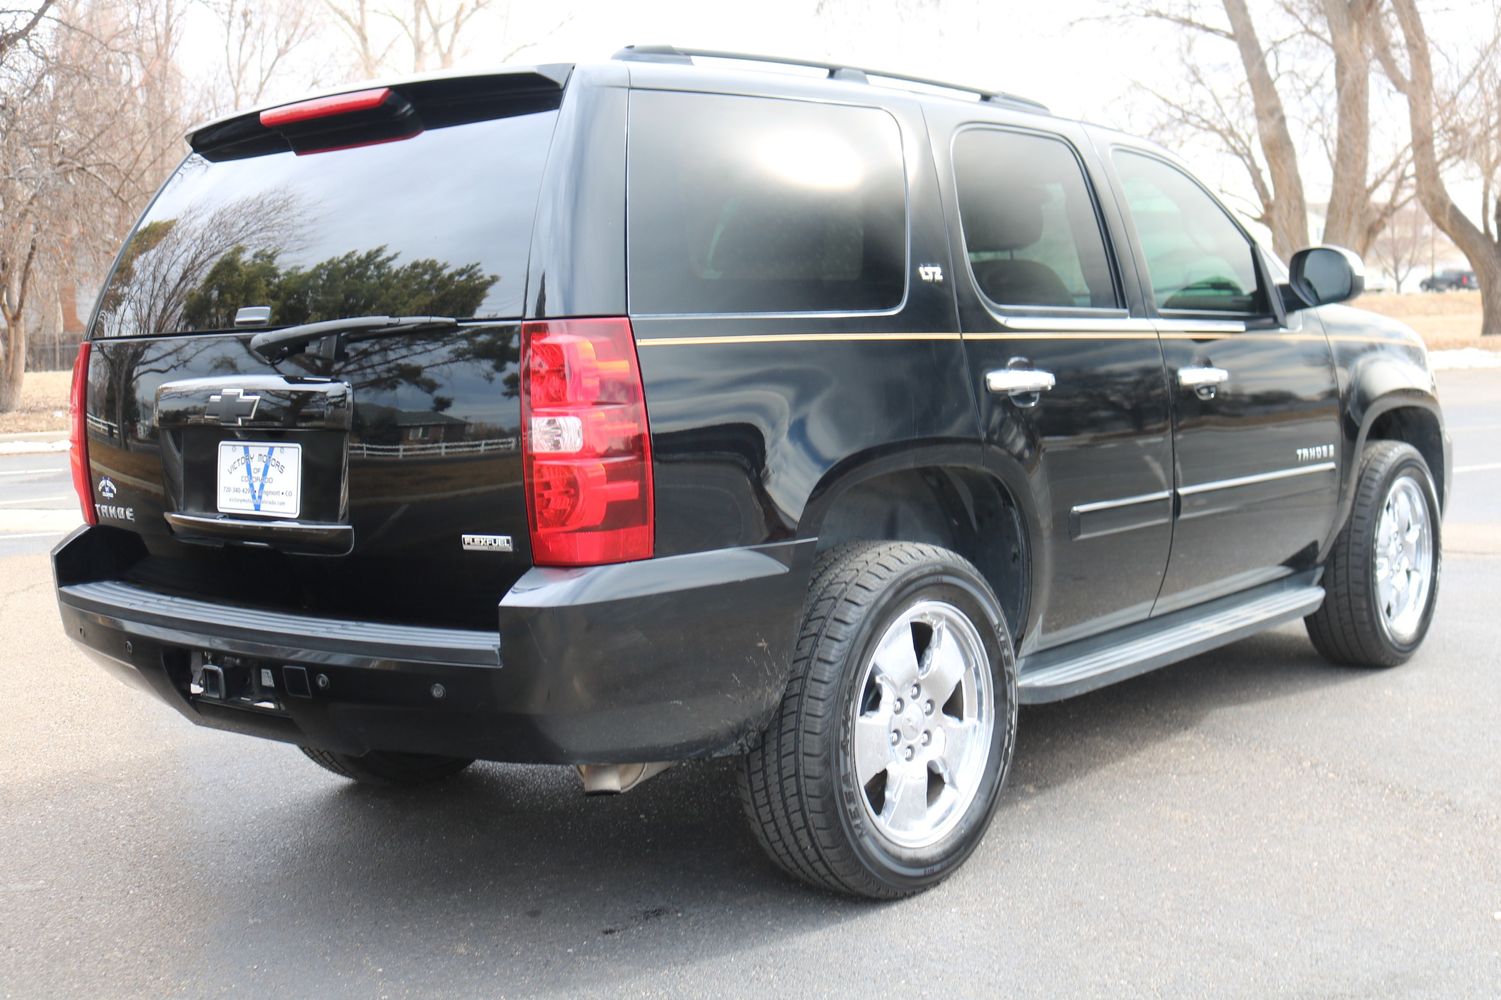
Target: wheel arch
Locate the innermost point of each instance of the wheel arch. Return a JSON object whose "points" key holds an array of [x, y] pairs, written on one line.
{"points": [[1394, 399], [942, 495]]}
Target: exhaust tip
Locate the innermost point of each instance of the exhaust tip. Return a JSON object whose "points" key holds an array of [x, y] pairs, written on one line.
{"points": [[612, 779]]}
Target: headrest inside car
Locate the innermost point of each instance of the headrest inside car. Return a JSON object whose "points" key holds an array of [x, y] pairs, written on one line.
{"points": [[1012, 221]]}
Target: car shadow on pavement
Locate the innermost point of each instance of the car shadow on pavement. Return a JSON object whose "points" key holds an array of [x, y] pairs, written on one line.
{"points": [[517, 873], [1061, 742]]}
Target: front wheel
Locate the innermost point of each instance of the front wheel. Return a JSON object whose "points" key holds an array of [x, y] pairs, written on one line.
{"points": [[1381, 578], [880, 771]]}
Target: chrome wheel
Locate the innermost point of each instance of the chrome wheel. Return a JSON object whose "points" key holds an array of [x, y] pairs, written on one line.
{"points": [[1404, 559], [922, 723]]}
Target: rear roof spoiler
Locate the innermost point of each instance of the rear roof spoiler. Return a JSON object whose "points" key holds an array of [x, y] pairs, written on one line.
{"points": [[242, 133]]}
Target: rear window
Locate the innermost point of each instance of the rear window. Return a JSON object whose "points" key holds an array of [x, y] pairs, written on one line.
{"points": [[751, 205], [438, 224]]}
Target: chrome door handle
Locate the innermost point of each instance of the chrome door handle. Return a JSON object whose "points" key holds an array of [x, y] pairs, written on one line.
{"points": [[1019, 381], [1203, 380], [1195, 378]]}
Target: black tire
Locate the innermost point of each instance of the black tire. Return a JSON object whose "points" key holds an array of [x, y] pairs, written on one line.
{"points": [[388, 768], [1349, 627], [798, 783]]}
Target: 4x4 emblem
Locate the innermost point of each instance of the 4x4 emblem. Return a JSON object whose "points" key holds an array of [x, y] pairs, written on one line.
{"points": [[231, 406]]}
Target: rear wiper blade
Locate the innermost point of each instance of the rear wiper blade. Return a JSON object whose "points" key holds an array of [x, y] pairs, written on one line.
{"points": [[274, 345]]}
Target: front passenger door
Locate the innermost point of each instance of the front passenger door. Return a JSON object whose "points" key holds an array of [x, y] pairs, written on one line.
{"points": [[1255, 397]]}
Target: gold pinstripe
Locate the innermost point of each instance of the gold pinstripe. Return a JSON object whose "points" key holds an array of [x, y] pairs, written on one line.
{"points": [[780, 338], [814, 338]]}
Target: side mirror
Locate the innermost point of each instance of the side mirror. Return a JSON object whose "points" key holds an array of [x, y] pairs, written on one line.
{"points": [[1321, 276]]}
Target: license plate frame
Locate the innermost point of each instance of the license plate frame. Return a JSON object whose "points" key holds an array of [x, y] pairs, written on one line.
{"points": [[259, 478]]}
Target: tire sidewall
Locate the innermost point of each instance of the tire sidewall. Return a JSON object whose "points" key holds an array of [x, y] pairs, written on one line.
{"points": [[904, 868]]}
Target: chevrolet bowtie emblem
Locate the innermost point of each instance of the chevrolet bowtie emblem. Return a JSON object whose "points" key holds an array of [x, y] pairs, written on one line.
{"points": [[231, 406]]}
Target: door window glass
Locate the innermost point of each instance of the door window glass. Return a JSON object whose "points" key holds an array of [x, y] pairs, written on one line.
{"points": [[1197, 258], [1030, 228]]}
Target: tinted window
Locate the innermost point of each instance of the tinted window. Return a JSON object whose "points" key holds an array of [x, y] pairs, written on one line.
{"points": [[439, 224], [1197, 258], [1030, 227], [740, 204]]}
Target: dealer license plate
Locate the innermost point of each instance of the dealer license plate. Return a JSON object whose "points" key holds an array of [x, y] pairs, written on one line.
{"points": [[260, 478]]}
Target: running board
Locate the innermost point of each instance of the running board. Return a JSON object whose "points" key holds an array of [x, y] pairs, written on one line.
{"points": [[1092, 663]]}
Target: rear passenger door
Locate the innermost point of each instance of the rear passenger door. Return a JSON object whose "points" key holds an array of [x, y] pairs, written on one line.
{"points": [[1068, 373], [1255, 398]]}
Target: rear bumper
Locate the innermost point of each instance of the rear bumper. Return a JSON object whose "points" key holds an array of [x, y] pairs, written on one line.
{"points": [[665, 659]]}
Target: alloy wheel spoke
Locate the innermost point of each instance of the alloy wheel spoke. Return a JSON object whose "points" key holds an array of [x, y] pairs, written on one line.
{"points": [[957, 736], [906, 794], [945, 666], [896, 659], [872, 745], [1410, 542]]}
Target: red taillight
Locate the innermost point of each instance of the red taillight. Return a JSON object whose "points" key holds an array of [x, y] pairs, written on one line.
{"points": [[78, 441], [586, 445], [325, 107]]}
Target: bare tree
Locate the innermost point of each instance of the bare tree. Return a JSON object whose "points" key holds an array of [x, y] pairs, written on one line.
{"points": [[419, 35], [1410, 67], [91, 114], [1289, 64], [18, 25], [259, 37], [432, 28], [361, 24], [1403, 243]]}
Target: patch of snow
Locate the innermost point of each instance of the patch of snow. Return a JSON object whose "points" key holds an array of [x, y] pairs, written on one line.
{"points": [[1464, 358], [31, 521], [31, 447]]}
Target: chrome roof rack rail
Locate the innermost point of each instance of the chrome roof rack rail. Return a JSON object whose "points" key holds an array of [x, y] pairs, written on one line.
{"points": [[833, 71]]}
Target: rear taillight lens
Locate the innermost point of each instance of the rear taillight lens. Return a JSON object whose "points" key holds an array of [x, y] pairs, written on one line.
{"points": [[78, 441], [586, 445]]}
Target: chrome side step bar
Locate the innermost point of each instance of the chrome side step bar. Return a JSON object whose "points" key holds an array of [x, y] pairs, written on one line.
{"points": [[1088, 664]]}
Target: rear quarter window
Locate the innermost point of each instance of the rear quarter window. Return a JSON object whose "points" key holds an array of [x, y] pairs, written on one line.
{"points": [[754, 205]]}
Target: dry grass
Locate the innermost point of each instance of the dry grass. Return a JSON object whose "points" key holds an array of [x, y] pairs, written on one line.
{"points": [[44, 404], [1445, 320]]}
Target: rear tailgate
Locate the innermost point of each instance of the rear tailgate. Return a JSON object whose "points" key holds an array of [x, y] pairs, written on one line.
{"points": [[376, 479]]}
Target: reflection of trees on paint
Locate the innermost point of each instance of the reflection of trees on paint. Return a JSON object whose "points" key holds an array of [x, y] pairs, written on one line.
{"points": [[166, 261], [196, 271], [358, 283]]}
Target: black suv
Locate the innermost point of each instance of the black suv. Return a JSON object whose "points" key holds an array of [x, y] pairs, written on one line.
{"points": [[621, 414], [1449, 280]]}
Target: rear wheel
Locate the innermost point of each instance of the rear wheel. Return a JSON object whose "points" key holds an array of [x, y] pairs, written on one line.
{"points": [[387, 767], [880, 771], [1381, 578]]}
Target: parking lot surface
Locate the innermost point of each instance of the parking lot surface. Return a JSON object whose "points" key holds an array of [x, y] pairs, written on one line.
{"points": [[1248, 823]]}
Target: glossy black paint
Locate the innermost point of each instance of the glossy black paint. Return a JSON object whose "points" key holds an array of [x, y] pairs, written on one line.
{"points": [[773, 436], [1281, 397], [1101, 435], [598, 666], [408, 498]]}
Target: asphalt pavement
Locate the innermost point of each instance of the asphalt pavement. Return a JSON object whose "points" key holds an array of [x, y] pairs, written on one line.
{"points": [[1252, 822]]}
